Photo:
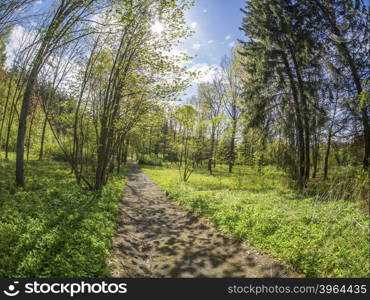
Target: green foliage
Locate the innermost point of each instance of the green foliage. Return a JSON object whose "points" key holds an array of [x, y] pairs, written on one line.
{"points": [[187, 118], [150, 160], [350, 183], [53, 228], [317, 238], [364, 99]]}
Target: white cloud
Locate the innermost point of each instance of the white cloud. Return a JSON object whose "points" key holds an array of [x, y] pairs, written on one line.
{"points": [[193, 25], [205, 11], [19, 38], [231, 44], [210, 41], [205, 72], [196, 46], [228, 37]]}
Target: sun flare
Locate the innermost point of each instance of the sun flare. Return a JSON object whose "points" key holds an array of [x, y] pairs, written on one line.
{"points": [[157, 27]]}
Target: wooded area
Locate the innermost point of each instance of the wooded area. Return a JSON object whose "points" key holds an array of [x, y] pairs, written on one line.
{"points": [[92, 84], [88, 73]]}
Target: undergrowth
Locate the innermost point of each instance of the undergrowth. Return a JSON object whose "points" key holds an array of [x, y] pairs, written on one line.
{"points": [[317, 237], [54, 228]]}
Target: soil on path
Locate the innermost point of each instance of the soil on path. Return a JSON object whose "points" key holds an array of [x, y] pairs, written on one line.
{"points": [[156, 237]]}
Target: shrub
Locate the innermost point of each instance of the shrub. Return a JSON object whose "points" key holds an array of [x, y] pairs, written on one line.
{"points": [[150, 160]]}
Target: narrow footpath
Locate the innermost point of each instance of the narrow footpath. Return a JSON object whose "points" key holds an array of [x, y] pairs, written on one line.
{"points": [[156, 237]]}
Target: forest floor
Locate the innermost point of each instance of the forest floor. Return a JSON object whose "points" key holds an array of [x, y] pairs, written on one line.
{"points": [[318, 234], [156, 237], [54, 228]]}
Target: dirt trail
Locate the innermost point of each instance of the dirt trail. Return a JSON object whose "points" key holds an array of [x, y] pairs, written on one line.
{"points": [[158, 238]]}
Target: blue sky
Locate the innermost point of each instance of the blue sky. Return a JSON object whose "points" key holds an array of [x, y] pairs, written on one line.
{"points": [[216, 24]]}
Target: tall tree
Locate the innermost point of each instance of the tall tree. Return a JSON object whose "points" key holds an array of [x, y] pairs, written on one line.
{"points": [[57, 27], [210, 97], [345, 26], [281, 53], [233, 74]]}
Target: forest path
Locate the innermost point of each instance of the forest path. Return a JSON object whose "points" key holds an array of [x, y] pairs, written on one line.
{"points": [[158, 238]]}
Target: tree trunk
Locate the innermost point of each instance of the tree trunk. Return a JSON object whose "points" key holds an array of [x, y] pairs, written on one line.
{"points": [[125, 154], [327, 154], [210, 165], [9, 128], [41, 154], [232, 147], [315, 151], [22, 126], [120, 154], [101, 159], [5, 110], [211, 154], [27, 97], [306, 122], [300, 130], [365, 119], [29, 136], [343, 49], [53, 33]]}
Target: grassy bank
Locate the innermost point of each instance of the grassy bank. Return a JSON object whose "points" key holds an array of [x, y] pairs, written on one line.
{"points": [[53, 228], [317, 238]]}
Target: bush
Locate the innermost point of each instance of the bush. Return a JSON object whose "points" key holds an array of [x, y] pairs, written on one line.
{"points": [[346, 183], [150, 160]]}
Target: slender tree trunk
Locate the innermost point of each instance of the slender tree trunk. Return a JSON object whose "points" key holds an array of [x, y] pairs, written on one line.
{"points": [[315, 149], [120, 154], [327, 154], [27, 96], [54, 32], [104, 152], [305, 116], [9, 128], [365, 119], [343, 49], [41, 154], [149, 151], [101, 158], [315, 152], [232, 147], [211, 154], [364, 110], [5, 110], [209, 166], [22, 127], [29, 136], [125, 155], [118, 158], [165, 141]]}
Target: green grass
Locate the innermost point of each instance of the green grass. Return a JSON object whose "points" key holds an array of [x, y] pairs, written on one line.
{"points": [[317, 238], [54, 228]]}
